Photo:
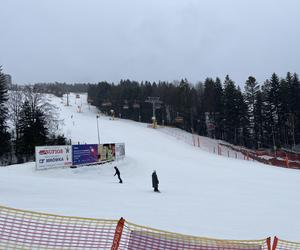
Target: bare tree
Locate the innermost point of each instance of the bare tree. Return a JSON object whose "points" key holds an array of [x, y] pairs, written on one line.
{"points": [[18, 95], [43, 102], [15, 102]]}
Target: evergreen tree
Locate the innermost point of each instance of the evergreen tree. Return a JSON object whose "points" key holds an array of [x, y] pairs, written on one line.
{"points": [[258, 119], [243, 119], [251, 90], [4, 135], [231, 119], [295, 109], [219, 129], [274, 99], [270, 114], [213, 106], [184, 103], [32, 130], [200, 122], [285, 95]]}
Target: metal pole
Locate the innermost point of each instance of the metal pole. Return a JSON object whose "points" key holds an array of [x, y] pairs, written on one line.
{"points": [[153, 110], [98, 129], [67, 98], [273, 138], [293, 121]]}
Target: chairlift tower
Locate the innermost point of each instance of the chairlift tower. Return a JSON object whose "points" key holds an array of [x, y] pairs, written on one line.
{"points": [[155, 105]]}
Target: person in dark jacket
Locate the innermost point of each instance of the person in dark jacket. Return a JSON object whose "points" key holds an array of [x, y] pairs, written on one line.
{"points": [[118, 174], [155, 181]]}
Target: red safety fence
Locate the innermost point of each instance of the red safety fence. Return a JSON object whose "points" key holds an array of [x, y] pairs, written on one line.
{"points": [[279, 153], [279, 158], [279, 244], [20, 229]]}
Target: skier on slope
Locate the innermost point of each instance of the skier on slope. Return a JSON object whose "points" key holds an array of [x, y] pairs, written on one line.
{"points": [[118, 174], [155, 181]]}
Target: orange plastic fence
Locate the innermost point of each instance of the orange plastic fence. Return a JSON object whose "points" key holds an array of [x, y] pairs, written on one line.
{"points": [[20, 229], [280, 158], [279, 244], [136, 237]]}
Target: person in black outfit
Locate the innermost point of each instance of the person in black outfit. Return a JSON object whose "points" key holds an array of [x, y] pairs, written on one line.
{"points": [[155, 181], [118, 174]]}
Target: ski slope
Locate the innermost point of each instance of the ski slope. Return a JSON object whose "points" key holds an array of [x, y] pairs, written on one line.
{"points": [[201, 193]]}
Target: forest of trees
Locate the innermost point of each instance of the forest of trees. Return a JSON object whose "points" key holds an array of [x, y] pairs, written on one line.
{"points": [[259, 116], [27, 120]]}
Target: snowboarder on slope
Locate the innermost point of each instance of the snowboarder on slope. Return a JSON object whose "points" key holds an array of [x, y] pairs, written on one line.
{"points": [[155, 181], [118, 174]]}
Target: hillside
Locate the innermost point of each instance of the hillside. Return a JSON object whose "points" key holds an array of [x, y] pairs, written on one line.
{"points": [[202, 193]]}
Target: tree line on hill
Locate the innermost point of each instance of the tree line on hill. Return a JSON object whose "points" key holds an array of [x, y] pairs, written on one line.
{"points": [[260, 116], [59, 89], [27, 119]]}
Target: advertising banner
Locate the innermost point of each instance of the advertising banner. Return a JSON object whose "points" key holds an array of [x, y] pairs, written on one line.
{"points": [[120, 151], [106, 152], [84, 154], [53, 156]]}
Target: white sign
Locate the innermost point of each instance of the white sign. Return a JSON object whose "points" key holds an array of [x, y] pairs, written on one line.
{"points": [[120, 151], [53, 156]]}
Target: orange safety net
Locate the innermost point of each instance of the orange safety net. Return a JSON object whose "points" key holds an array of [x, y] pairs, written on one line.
{"points": [[279, 244], [21, 229], [135, 237]]}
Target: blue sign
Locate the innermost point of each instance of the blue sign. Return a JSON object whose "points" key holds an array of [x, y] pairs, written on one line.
{"points": [[84, 154]]}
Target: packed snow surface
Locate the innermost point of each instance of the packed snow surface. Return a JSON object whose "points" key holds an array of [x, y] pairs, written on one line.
{"points": [[201, 193]]}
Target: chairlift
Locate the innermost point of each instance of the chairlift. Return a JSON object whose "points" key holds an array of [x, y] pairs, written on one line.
{"points": [[106, 104], [125, 106], [178, 119], [136, 105], [211, 126]]}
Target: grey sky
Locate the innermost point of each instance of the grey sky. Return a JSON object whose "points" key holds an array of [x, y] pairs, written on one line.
{"points": [[93, 40]]}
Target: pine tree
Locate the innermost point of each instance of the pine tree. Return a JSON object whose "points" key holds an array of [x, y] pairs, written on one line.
{"points": [[213, 106], [251, 90], [295, 106], [259, 119], [231, 118], [184, 103], [285, 96], [243, 119], [32, 130], [219, 130], [270, 112], [276, 105], [4, 135]]}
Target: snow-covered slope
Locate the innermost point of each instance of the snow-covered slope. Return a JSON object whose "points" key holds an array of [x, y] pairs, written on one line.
{"points": [[202, 193]]}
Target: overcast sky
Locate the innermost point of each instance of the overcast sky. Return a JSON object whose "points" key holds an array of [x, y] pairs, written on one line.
{"points": [[93, 40]]}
